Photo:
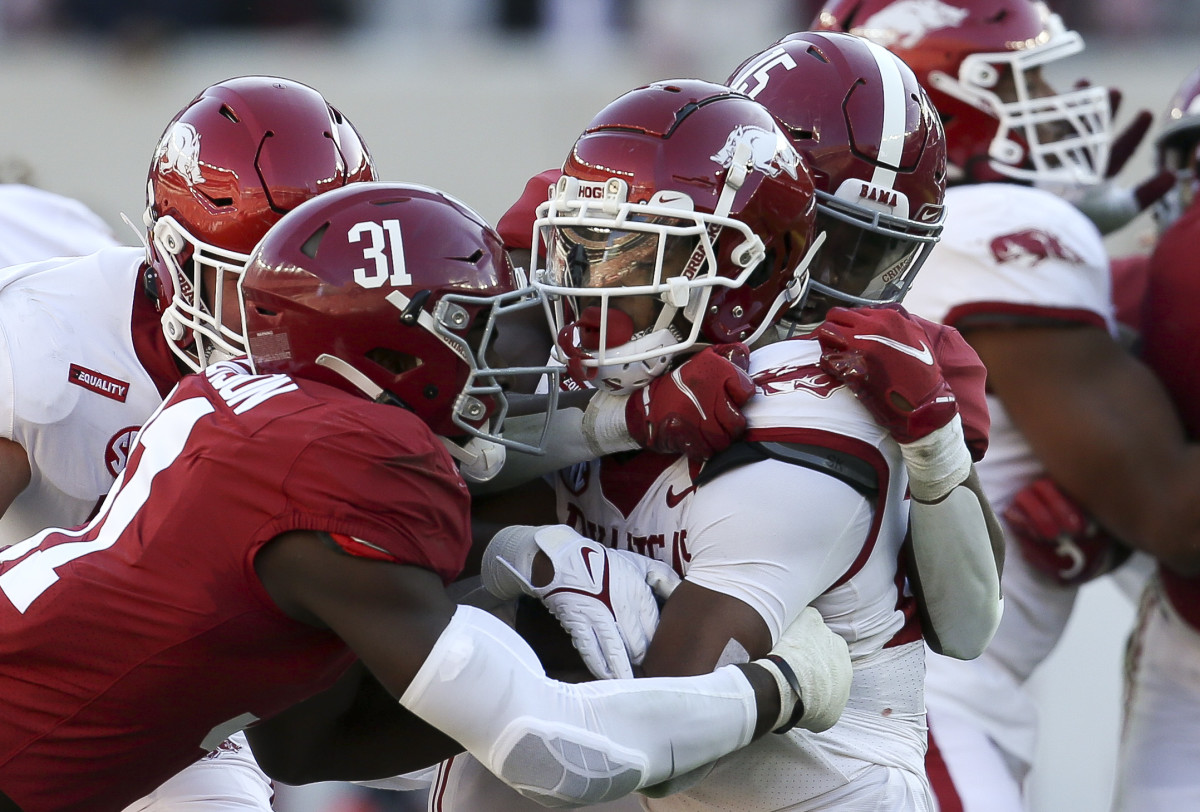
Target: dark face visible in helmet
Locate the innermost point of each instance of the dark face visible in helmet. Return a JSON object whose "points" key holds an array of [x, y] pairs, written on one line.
{"points": [[683, 215], [877, 151]]}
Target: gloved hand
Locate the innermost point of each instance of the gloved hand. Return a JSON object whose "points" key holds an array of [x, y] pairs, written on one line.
{"points": [[1108, 204], [695, 409], [607, 600], [966, 376], [883, 355], [811, 666], [1058, 537]]}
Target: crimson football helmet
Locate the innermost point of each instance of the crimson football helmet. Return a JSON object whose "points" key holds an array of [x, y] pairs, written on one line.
{"points": [[1176, 150], [683, 214], [232, 162], [877, 153], [398, 292], [981, 62]]}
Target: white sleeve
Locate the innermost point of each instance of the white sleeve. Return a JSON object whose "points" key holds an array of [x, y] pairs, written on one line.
{"points": [[801, 532], [564, 744]]}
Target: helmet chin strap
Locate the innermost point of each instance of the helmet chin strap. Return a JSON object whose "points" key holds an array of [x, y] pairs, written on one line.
{"points": [[478, 459]]}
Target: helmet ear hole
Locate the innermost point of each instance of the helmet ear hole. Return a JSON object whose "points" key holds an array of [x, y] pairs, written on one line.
{"points": [[394, 361]]}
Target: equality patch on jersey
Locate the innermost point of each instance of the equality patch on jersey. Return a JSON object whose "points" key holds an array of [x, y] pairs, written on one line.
{"points": [[98, 382], [796, 377], [116, 452], [1030, 247]]}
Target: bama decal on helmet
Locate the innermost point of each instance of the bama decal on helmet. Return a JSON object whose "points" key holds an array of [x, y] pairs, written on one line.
{"points": [[1031, 246], [179, 152], [770, 151], [905, 23]]}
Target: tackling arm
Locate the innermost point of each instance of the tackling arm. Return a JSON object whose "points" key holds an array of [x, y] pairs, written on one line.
{"points": [[1104, 428], [444, 661]]}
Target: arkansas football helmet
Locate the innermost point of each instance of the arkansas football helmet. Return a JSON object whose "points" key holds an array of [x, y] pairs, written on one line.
{"points": [[877, 153], [397, 292], [683, 214], [981, 62], [232, 162], [1176, 150]]}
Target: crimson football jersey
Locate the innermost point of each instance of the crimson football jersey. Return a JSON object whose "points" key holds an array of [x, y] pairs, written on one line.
{"points": [[1171, 346], [133, 645]]}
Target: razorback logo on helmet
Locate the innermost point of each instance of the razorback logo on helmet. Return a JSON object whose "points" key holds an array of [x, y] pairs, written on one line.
{"points": [[770, 152], [905, 23], [1031, 246], [179, 152], [795, 378]]}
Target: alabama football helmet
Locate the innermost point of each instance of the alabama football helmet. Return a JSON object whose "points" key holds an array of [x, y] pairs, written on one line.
{"points": [[232, 162], [397, 292], [980, 61], [683, 214], [1176, 150], [877, 153]]}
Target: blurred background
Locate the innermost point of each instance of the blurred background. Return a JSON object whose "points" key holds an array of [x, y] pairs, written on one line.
{"points": [[475, 96]]}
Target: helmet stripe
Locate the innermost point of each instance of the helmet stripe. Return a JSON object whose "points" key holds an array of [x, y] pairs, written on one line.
{"points": [[895, 104]]}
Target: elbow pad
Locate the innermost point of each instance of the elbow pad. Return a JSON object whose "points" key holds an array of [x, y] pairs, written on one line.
{"points": [[562, 744]]}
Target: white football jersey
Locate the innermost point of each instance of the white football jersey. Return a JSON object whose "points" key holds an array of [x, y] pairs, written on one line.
{"points": [[73, 392], [780, 536], [1010, 252], [36, 224]]}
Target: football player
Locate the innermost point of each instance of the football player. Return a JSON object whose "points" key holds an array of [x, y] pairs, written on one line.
{"points": [[680, 217], [1162, 715], [135, 643], [1023, 275], [92, 344]]}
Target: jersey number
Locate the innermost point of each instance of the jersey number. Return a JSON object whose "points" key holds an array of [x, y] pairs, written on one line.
{"points": [[386, 251], [162, 439]]}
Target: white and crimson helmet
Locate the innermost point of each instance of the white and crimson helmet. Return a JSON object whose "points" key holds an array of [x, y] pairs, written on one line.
{"points": [[230, 164], [1176, 150], [877, 152], [684, 197], [399, 293], [980, 61]]}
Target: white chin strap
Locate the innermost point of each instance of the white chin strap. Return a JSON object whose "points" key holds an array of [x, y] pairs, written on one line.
{"points": [[478, 459]]}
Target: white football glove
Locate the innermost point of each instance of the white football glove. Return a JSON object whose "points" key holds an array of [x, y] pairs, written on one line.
{"points": [[811, 666], [607, 600]]}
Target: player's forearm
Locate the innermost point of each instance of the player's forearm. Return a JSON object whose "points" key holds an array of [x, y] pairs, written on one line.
{"points": [[956, 558], [642, 731], [353, 731]]}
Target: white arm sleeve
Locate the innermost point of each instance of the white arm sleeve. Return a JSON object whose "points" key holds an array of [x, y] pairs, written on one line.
{"points": [[957, 574], [956, 559], [562, 744]]}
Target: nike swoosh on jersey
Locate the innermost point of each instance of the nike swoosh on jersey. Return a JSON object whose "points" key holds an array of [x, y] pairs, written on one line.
{"points": [[673, 499], [923, 354]]}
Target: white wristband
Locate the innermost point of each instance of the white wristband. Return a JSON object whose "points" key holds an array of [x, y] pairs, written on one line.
{"points": [[604, 427], [938, 462]]}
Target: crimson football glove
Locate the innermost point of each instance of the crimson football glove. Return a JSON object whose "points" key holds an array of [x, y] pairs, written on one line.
{"points": [[883, 356], [695, 409], [1058, 537], [967, 378]]}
